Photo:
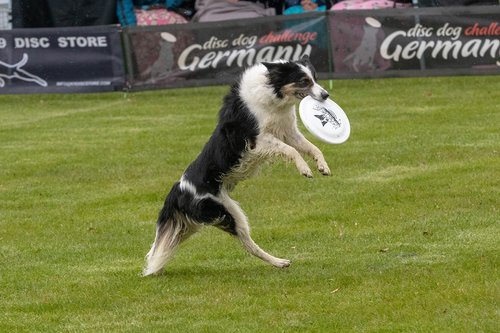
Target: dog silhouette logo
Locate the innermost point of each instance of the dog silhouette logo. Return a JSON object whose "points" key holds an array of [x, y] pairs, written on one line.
{"points": [[327, 117], [16, 71], [364, 54]]}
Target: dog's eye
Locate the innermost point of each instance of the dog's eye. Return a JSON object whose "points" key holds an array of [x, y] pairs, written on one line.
{"points": [[304, 82]]}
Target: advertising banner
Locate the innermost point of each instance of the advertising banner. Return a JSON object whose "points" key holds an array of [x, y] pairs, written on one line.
{"points": [[214, 53], [341, 44], [416, 42], [59, 60]]}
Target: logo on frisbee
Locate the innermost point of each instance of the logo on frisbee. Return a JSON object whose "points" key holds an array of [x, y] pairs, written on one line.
{"points": [[326, 116]]}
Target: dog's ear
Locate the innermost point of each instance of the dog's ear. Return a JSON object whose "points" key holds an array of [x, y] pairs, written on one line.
{"points": [[271, 66], [305, 60], [278, 69]]}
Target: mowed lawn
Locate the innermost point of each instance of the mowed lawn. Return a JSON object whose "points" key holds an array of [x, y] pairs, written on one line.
{"points": [[403, 237]]}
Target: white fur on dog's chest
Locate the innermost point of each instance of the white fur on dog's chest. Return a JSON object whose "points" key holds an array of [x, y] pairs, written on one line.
{"points": [[248, 166], [273, 124], [276, 122], [281, 124]]}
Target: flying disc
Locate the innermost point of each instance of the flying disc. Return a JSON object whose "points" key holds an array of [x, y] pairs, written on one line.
{"points": [[373, 22], [325, 120], [168, 37]]}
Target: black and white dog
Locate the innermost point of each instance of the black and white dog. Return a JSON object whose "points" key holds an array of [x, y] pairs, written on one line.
{"points": [[256, 122]]}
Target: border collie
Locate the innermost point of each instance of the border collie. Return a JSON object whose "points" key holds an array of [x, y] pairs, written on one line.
{"points": [[257, 122]]}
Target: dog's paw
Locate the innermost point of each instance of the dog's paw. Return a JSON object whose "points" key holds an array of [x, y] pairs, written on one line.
{"points": [[306, 173], [282, 263], [303, 168], [324, 169]]}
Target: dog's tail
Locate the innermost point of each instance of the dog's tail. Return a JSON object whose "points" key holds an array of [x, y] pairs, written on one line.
{"points": [[171, 229]]}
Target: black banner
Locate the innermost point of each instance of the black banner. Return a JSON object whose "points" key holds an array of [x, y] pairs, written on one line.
{"points": [[416, 42], [341, 44], [213, 53], [83, 59]]}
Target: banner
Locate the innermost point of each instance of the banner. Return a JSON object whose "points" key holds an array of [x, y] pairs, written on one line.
{"points": [[341, 44], [59, 60], [416, 42], [214, 53]]}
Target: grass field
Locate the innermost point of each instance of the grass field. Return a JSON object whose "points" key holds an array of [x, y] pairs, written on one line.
{"points": [[404, 237]]}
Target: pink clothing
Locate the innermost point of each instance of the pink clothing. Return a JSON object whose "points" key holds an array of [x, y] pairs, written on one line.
{"points": [[368, 4]]}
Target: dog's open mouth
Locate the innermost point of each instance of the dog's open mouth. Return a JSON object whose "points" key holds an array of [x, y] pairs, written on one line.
{"points": [[301, 94]]}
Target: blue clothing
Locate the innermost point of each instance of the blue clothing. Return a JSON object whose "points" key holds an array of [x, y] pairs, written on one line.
{"points": [[294, 7], [300, 10]]}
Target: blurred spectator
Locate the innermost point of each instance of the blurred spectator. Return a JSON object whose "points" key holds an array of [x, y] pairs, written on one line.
{"points": [[220, 10], [371, 4], [304, 6], [62, 13], [153, 12], [378, 4], [443, 3]]}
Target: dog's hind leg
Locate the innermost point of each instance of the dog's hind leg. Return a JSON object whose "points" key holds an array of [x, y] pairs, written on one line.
{"points": [[168, 236], [237, 224], [172, 228]]}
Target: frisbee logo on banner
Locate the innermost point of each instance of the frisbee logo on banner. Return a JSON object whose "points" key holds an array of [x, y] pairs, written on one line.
{"points": [[325, 120]]}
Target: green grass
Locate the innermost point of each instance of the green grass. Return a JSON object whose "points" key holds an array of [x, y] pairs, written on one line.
{"points": [[404, 237]]}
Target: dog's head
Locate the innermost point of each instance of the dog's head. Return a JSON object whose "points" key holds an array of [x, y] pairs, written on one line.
{"points": [[295, 79]]}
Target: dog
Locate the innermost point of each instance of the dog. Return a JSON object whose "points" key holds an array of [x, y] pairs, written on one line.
{"points": [[257, 122]]}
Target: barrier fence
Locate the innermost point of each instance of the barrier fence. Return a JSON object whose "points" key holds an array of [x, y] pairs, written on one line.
{"points": [[343, 44]]}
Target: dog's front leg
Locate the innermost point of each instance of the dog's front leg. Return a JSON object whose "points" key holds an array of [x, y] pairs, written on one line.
{"points": [[299, 142], [272, 146]]}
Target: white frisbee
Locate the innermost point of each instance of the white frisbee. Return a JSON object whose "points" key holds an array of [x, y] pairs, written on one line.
{"points": [[168, 37], [325, 120]]}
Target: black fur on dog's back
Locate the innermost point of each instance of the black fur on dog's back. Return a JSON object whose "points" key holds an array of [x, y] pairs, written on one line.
{"points": [[236, 131]]}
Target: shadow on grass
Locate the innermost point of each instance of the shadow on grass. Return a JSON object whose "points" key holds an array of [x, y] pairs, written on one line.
{"points": [[221, 272]]}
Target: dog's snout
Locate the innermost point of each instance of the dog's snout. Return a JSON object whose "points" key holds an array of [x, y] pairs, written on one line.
{"points": [[319, 93]]}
